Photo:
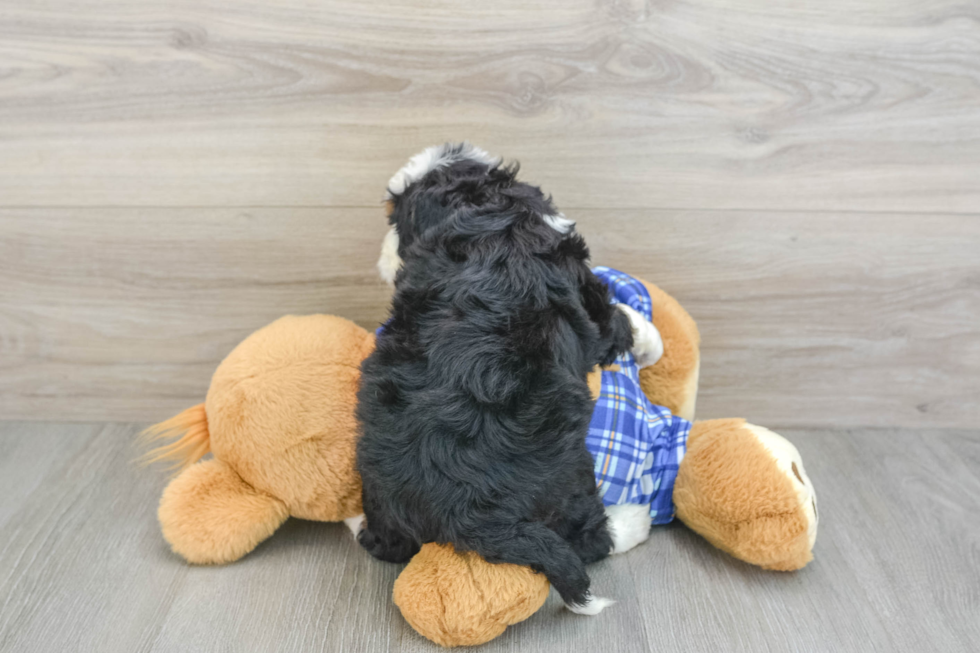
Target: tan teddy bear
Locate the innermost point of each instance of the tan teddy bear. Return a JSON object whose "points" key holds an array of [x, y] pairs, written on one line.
{"points": [[279, 421]]}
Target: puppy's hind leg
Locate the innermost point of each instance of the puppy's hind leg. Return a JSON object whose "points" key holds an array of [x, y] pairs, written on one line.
{"points": [[380, 537], [584, 526], [595, 531], [535, 545], [387, 544]]}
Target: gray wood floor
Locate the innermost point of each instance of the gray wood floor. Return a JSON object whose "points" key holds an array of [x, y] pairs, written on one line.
{"points": [[83, 566], [804, 177]]}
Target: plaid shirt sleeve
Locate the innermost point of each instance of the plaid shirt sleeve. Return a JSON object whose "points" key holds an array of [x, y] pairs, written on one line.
{"points": [[637, 445]]}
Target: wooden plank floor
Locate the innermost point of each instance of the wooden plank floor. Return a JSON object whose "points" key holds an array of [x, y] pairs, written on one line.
{"points": [[83, 566]]}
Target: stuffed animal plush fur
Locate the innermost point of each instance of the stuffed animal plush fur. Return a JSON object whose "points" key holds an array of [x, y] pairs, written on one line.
{"points": [[279, 421]]}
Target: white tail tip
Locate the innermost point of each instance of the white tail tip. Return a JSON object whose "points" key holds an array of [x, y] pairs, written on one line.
{"points": [[593, 605]]}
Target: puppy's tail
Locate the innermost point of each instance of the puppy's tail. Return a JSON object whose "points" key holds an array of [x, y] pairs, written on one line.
{"points": [[537, 546], [190, 437]]}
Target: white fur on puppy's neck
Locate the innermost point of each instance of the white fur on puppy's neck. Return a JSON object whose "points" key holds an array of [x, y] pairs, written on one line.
{"points": [[390, 262]]}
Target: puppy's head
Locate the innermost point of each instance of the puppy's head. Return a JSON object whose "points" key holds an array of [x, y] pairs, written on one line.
{"points": [[425, 192], [451, 180]]}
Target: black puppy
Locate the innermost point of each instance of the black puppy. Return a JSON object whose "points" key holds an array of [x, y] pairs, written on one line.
{"points": [[474, 406]]}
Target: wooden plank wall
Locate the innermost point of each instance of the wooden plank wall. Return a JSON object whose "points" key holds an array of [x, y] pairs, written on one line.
{"points": [[804, 177]]}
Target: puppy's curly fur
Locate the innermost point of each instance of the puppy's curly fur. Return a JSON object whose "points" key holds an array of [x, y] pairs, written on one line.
{"points": [[474, 405]]}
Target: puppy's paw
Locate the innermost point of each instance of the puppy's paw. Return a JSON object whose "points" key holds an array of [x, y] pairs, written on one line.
{"points": [[390, 548], [628, 524], [593, 605], [355, 524], [648, 346]]}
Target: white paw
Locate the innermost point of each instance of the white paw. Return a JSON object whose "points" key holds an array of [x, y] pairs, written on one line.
{"points": [[648, 346], [629, 524], [355, 524], [790, 463], [593, 605]]}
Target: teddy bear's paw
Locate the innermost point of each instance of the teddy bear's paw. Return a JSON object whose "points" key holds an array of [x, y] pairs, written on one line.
{"points": [[788, 461], [592, 606], [648, 346], [628, 524]]}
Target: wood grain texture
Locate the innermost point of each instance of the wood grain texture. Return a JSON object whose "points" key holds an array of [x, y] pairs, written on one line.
{"points": [[817, 318], [838, 105], [895, 563], [806, 318], [804, 177], [128, 312], [29, 454], [83, 566]]}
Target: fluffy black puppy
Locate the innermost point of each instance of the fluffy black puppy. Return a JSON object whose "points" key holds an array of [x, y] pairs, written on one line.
{"points": [[474, 405]]}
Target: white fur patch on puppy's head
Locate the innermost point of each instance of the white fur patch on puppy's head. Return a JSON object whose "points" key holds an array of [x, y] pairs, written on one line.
{"points": [[559, 223], [434, 157]]}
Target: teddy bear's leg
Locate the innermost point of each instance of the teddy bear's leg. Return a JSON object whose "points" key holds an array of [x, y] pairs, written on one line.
{"points": [[460, 599], [673, 381], [209, 515], [744, 489]]}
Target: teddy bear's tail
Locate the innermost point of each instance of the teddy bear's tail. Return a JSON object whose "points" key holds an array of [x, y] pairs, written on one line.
{"points": [[193, 441]]}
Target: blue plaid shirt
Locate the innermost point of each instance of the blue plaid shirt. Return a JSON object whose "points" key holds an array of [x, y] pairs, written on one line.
{"points": [[638, 446]]}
